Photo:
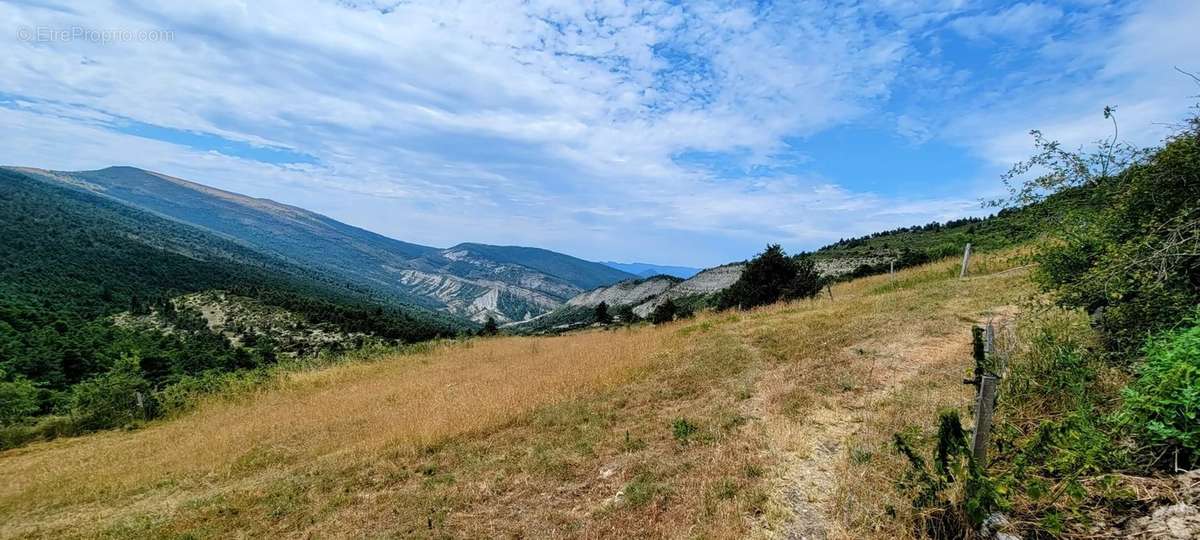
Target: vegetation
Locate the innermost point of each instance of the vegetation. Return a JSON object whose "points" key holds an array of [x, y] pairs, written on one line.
{"points": [[73, 260], [664, 312], [770, 277], [456, 440], [1162, 404], [626, 315], [490, 328], [667, 430], [1111, 387], [601, 313]]}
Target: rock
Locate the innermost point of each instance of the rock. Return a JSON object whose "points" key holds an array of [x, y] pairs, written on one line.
{"points": [[1174, 522], [994, 525]]}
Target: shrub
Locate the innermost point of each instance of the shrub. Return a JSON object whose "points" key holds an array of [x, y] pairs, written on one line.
{"points": [[602, 315], [664, 312], [117, 398], [627, 315], [683, 430], [1128, 224], [490, 328], [1163, 402], [18, 400], [954, 496], [770, 277]]}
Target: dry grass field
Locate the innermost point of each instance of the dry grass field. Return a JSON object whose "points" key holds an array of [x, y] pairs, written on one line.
{"points": [[770, 423]]}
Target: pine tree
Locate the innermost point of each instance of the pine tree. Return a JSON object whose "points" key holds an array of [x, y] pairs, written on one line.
{"points": [[665, 312], [602, 315], [490, 328]]}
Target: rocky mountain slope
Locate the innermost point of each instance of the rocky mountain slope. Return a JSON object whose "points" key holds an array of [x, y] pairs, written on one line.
{"points": [[648, 293], [474, 281]]}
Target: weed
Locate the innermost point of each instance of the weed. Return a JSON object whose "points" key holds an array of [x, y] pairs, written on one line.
{"points": [[643, 489], [683, 430], [725, 489]]}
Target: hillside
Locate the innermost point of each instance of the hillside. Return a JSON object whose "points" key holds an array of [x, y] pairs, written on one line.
{"points": [[73, 259], [472, 281], [720, 426], [696, 292], [245, 323]]}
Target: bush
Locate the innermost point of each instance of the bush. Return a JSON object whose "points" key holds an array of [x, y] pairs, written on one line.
{"points": [[683, 430], [955, 495], [627, 315], [601, 314], [117, 398], [1163, 402], [1129, 220], [490, 328], [181, 397], [770, 277], [664, 312], [18, 400], [46, 428]]}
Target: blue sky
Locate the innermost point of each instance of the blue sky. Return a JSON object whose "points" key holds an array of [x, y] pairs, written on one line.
{"points": [[669, 132]]}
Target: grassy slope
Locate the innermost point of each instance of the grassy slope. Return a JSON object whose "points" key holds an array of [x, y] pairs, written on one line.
{"points": [[559, 436]]}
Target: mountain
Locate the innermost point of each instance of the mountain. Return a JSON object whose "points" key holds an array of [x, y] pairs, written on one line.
{"points": [[473, 281], [643, 295], [73, 259], [646, 270]]}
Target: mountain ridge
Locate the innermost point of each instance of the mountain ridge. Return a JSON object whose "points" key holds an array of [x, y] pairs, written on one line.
{"points": [[647, 270], [470, 280]]}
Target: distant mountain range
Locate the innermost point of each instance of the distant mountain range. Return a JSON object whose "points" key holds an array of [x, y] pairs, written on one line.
{"points": [[646, 270], [471, 281]]}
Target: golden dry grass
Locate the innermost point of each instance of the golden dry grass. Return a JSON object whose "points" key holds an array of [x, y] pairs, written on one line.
{"points": [[546, 437], [406, 403]]}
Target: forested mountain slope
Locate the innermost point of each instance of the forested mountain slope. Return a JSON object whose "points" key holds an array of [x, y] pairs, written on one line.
{"points": [[472, 281], [73, 258]]}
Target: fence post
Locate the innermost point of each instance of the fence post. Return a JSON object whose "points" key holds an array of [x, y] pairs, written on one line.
{"points": [[829, 289], [892, 269], [966, 261], [983, 418]]}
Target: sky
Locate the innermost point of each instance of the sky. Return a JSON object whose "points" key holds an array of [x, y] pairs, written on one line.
{"points": [[689, 133]]}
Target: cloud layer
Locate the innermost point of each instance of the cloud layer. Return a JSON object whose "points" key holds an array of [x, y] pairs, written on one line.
{"points": [[611, 130]]}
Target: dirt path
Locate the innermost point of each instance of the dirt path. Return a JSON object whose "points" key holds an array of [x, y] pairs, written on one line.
{"points": [[810, 448]]}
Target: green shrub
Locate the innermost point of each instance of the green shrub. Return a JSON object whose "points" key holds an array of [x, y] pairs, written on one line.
{"points": [[683, 430], [770, 277], [1163, 402], [601, 314], [626, 314], [664, 312], [182, 396], [117, 398], [1125, 222], [18, 400], [955, 495], [46, 428]]}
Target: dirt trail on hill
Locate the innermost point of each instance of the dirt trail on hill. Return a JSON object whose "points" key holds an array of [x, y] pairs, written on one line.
{"points": [[811, 449]]}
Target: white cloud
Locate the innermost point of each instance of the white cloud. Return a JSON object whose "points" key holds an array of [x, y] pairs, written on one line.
{"points": [[542, 122], [1014, 22]]}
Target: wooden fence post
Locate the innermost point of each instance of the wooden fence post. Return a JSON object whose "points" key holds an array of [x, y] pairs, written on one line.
{"points": [[829, 289], [966, 261], [984, 407]]}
